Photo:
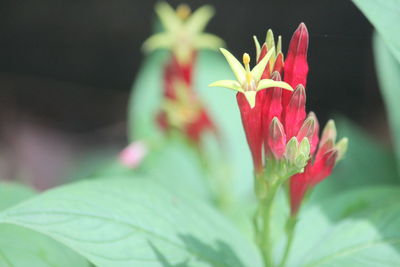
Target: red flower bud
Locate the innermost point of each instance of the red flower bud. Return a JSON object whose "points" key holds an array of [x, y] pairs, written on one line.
{"points": [[295, 112], [277, 138], [272, 108], [310, 129], [296, 66], [322, 167]]}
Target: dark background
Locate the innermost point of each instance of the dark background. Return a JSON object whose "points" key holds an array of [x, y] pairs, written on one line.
{"points": [[66, 68]]}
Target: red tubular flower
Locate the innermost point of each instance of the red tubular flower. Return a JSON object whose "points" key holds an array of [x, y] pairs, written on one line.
{"points": [[277, 138], [252, 124], [184, 36], [295, 111], [319, 167], [182, 108], [251, 98], [279, 116], [296, 66]]}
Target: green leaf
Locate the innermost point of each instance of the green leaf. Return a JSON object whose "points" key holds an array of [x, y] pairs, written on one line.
{"points": [[146, 97], [134, 222], [356, 228], [162, 163], [223, 108], [24, 247], [221, 104], [385, 17], [365, 163], [388, 70], [11, 194]]}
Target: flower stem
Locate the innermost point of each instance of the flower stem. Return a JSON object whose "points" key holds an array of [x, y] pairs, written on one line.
{"points": [[265, 216], [290, 227]]}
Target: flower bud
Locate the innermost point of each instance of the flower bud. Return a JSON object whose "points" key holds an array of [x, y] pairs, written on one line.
{"points": [[292, 149], [303, 155], [310, 129], [296, 66], [341, 147], [277, 138], [295, 111], [329, 132]]}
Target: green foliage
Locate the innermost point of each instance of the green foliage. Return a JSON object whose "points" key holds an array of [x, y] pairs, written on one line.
{"points": [[160, 214], [24, 247], [367, 163], [357, 228], [134, 222], [385, 17], [388, 69]]}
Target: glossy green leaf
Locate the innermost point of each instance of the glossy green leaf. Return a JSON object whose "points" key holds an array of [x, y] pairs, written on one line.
{"points": [[356, 228], [24, 247], [134, 222], [388, 70], [385, 17]]}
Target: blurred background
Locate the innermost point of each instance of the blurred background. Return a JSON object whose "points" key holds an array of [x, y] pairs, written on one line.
{"points": [[66, 68]]}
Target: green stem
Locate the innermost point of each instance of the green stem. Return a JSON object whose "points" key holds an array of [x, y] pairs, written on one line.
{"points": [[290, 227], [266, 206]]}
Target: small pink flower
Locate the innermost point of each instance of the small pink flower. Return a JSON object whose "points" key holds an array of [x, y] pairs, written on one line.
{"points": [[133, 154]]}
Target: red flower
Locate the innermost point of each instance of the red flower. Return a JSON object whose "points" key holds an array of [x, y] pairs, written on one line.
{"points": [[319, 167], [251, 97], [279, 116], [181, 108]]}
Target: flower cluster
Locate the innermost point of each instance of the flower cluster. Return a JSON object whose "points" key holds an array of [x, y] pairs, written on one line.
{"points": [[181, 107], [279, 132]]}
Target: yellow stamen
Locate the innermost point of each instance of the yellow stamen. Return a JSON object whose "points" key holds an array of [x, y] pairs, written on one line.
{"points": [[246, 59], [249, 77], [246, 62], [183, 11]]}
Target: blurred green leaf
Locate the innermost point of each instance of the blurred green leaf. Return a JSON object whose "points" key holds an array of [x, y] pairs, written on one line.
{"points": [[235, 160], [366, 163], [24, 247], [385, 17], [221, 103], [356, 228], [176, 166], [146, 97], [11, 194], [388, 70], [134, 222]]}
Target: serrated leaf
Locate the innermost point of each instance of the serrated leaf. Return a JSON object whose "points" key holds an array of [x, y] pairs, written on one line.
{"points": [[134, 222]]}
